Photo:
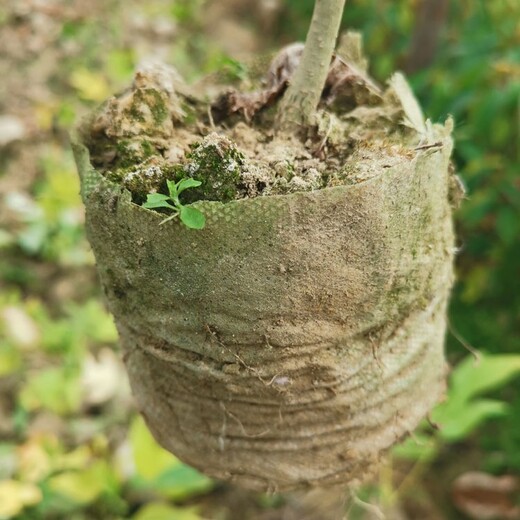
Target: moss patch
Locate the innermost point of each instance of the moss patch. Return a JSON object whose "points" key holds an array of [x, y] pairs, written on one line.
{"points": [[216, 162]]}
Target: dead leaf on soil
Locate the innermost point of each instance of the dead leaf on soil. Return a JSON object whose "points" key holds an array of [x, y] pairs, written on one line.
{"points": [[15, 496], [482, 496], [346, 87], [284, 65], [248, 104]]}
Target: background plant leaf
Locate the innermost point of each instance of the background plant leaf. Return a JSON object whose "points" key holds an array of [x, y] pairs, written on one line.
{"points": [[457, 421], [472, 377]]}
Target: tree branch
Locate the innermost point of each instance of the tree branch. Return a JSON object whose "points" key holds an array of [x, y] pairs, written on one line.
{"points": [[304, 92]]}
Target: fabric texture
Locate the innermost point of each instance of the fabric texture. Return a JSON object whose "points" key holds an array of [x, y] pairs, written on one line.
{"points": [[295, 338]]}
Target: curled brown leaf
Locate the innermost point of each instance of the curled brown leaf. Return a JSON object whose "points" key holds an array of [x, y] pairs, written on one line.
{"points": [[346, 87], [248, 104], [482, 496]]}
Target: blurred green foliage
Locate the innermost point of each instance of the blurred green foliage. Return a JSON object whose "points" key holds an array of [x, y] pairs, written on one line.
{"points": [[53, 219], [66, 459], [459, 416]]}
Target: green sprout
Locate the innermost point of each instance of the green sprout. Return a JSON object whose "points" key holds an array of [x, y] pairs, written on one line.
{"points": [[190, 217]]}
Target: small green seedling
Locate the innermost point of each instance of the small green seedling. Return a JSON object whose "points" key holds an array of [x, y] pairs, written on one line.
{"points": [[190, 217]]}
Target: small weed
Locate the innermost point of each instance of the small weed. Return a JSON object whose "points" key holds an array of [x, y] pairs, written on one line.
{"points": [[190, 217]]}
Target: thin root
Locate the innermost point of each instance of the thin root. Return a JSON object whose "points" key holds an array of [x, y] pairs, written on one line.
{"points": [[239, 422], [472, 350]]}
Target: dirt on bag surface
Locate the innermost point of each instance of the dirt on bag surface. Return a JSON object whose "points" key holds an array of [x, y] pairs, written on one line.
{"points": [[300, 334]]}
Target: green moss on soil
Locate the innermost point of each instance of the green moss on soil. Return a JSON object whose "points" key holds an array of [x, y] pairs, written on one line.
{"points": [[216, 162], [132, 152], [152, 100]]}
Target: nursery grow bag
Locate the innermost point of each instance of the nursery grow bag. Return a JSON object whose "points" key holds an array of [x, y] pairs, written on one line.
{"points": [[296, 337]]}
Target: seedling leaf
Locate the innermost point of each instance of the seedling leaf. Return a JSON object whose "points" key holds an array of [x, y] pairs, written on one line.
{"points": [[155, 205], [154, 197], [192, 217], [172, 188], [157, 200], [184, 184]]}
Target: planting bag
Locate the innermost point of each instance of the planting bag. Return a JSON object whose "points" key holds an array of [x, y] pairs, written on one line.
{"points": [[296, 337]]}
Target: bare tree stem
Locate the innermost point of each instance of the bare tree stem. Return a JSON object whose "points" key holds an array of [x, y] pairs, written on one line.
{"points": [[303, 94]]}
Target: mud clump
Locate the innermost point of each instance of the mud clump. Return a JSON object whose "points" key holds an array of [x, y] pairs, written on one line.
{"points": [[217, 162], [160, 130]]}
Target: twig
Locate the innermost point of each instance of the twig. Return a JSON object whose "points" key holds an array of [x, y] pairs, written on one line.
{"points": [[438, 144], [210, 117], [472, 350], [324, 141]]}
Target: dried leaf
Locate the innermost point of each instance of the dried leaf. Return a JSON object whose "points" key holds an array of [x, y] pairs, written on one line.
{"points": [[102, 378], [34, 460], [248, 104], [284, 65], [413, 116], [350, 48], [20, 328], [347, 87], [482, 496], [12, 128]]}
